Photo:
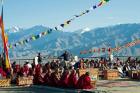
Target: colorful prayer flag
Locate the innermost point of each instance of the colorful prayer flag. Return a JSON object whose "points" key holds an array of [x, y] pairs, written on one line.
{"points": [[94, 7], [62, 25], [67, 22], [33, 38], [56, 28], [10, 46], [49, 31], [37, 36], [106, 0], [100, 4]]}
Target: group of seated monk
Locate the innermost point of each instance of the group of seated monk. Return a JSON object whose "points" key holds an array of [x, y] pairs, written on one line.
{"points": [[64, 78]]}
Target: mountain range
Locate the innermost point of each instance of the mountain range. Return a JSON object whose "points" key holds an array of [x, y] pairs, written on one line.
{"points": [[76, 41]]}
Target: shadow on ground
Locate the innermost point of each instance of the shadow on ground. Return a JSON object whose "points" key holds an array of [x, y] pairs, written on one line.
{"points": [[44, 89]]}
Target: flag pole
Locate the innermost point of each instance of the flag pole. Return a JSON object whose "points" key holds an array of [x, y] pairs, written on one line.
{"points": [[6, 54]]}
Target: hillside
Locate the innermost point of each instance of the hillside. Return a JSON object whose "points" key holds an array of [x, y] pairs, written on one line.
{"points": [[58, 41]]}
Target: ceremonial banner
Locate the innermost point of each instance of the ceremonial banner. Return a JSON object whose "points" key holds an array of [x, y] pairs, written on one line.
{"points": [[4, 39]]}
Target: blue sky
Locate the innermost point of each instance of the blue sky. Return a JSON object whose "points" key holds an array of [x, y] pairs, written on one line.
{"points": [[28, 13]]}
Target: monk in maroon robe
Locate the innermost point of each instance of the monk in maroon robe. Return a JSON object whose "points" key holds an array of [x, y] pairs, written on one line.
{"points": [[25, 70], [64, 79], [16, 69], [47, 77], [72, 80], [3, 74], [31, 72], [38, 78], [80, 82], [55, 77], [84, 82], [87, 82]]}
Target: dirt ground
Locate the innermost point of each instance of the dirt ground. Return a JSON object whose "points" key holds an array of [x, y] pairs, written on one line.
{"points": [[113, 86], [119, 86]]}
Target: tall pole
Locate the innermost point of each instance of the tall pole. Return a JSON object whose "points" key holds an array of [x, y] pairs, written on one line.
{"points": [[6, 55]]}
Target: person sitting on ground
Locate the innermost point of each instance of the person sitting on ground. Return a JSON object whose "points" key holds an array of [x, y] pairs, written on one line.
{"points": [[84, 82], [126, 69], [137, 66], [23, 71], [119, 67], [55, 77], [72, 80], [26, 69], [47, 66], [128, 60], [31, 72], [52, 64], [61, 70], [47, 77], [16, 69], [80, 82], [87, 81], [64, 79], [16, 73], [29, 65], [38, 78]]}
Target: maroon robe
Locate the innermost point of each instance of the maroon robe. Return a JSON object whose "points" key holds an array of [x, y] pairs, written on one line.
{"points": [[3, 74], [38, 79], [25, 70], [31, 72], [87, 83], [84, 82], [21, 71], [72, 80], [17, 69], [64, 80], [47, 78], [80, 82], [54, 79]]}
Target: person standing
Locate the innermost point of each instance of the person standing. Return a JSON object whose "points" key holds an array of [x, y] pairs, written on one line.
{"points": [[66, 57], [39, 58]]}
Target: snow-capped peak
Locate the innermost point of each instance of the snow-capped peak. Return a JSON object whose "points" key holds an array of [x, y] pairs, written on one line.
{"points": [[14, 29], [85, 30]]}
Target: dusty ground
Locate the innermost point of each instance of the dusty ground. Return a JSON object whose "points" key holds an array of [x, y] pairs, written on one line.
{"points": [[117, 86]]}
